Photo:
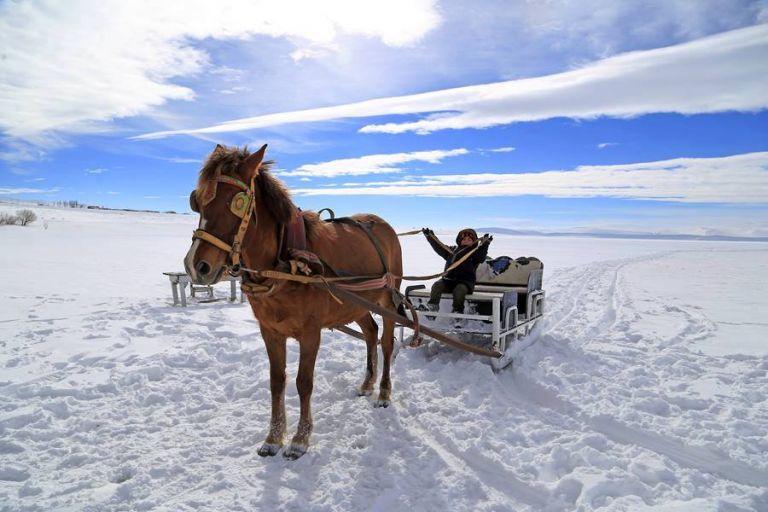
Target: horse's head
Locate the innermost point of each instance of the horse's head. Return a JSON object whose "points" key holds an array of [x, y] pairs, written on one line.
{"points": [[225, 198]]}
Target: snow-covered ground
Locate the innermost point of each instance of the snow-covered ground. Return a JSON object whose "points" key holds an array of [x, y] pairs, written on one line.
{"points": [[645, 389]]}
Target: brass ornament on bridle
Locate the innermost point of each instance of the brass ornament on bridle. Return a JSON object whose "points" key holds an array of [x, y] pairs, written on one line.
{"points": [[239, 204]]}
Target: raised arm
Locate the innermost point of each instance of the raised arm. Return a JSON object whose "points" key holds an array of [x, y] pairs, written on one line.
{"points": [[482, 252], [439, 247]]}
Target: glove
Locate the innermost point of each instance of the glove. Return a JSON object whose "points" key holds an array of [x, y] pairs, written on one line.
{"points": [[487, 238], [427, 231]]}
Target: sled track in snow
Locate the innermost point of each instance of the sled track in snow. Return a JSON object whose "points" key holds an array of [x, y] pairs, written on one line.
{"points": [[694, 457], [590, 334]]}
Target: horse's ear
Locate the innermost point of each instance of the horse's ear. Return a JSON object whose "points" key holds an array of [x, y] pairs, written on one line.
{"points": [[218, 149], [251, 165]]}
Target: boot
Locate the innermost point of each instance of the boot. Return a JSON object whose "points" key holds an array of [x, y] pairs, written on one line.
{"points": [[458, 323]]}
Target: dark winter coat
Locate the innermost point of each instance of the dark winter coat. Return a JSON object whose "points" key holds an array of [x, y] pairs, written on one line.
{"points": [[464, 273]]}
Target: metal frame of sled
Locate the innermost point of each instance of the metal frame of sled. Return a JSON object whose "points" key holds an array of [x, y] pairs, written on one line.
{"points": [[504, 312], [180, 280]]}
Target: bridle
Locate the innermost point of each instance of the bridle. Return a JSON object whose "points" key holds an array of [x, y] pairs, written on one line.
{"points": [[242, 205]]}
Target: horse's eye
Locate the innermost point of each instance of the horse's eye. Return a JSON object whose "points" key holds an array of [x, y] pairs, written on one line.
{"points": [[193, 202]]}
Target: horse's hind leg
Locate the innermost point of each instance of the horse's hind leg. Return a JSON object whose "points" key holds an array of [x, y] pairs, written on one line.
{"points": [[387, 346], [275, 344], [309, 344], [370, 330]]}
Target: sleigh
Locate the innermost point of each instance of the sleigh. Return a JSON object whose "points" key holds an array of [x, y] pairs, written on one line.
{"points": [[507, 302]]}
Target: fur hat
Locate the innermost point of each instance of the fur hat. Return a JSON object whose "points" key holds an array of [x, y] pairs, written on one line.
{"points": [[463, 232]]}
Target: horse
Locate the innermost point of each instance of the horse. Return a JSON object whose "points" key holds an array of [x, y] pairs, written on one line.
{"points": [[245, 213]]}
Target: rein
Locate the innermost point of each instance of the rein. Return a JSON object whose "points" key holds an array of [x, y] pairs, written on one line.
{"points": [[385, 280]]}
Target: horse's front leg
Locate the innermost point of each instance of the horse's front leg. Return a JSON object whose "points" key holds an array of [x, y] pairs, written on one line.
{"points": [[309, 344], [275, 344]]}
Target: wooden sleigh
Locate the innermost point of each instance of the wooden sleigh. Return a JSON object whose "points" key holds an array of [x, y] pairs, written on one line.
{"points": [[500, 313], [503, 309]]}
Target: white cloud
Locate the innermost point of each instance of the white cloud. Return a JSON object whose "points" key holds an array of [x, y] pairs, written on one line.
{"points": [[608, 26], [72, 66], [19, 151], [371, 164], [96, 171], [11, 191], [726, 72], [733, 179], [604, 145], [501, 150], [178, 160]]}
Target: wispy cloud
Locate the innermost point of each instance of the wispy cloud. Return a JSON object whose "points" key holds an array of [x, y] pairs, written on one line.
{"points": [[72, 67], [604, 145], [13, 191], [20, 151], [176, 160], [99, 170], [732, 179], [714, 74], [501, 150], [371, 164]]}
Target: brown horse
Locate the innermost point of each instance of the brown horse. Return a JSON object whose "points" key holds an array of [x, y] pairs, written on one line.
{"points": [[244, 212]]}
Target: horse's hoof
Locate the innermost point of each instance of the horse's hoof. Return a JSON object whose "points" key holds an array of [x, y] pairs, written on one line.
{"points": [[294, 451], [364, 392], [381, 403], [269, 449]]}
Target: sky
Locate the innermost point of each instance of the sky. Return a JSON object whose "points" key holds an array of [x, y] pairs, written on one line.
{"points": [[551, 115]]}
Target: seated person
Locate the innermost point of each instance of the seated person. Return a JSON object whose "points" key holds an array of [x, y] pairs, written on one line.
{"points": [[460, 280]]}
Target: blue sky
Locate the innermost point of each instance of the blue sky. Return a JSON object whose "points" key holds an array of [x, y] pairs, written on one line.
{"points": [[551, 115]]}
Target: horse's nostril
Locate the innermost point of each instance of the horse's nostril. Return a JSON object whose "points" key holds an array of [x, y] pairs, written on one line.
{"points": [[203, 268]]}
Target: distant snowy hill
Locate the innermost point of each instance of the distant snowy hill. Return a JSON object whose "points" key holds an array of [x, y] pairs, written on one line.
{"points": [[625, 235]]}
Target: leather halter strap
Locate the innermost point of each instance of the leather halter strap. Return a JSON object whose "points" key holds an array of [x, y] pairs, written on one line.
{"points": [[234, 249]]}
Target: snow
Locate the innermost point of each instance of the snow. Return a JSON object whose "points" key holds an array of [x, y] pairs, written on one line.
{"points": [[643, 389]]}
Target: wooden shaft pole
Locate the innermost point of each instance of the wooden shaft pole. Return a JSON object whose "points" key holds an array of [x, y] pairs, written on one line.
{"points": [[400, 319]]}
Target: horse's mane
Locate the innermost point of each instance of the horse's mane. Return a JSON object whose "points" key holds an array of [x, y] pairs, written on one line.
{"points": [[274, 194], [225, 161]]}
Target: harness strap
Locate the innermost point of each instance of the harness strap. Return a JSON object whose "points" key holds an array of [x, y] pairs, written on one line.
{"points": [[204, 235], [276, 274], [295, 233], [368, 233], [242, 229], [330, 212], [223, 178]]}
